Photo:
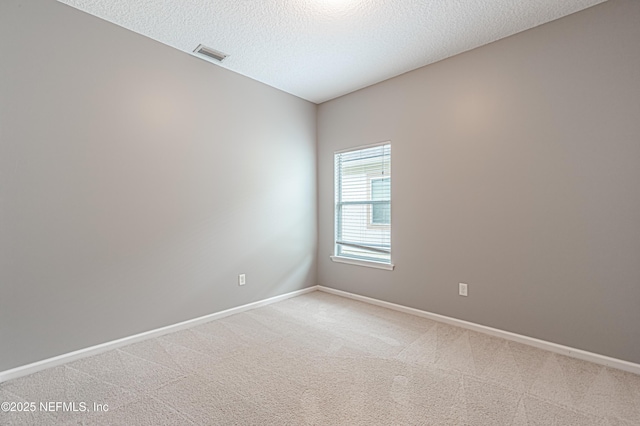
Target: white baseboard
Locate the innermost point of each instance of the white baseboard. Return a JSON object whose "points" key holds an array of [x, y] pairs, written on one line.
{"points": [[25, 370], [542, 344]]}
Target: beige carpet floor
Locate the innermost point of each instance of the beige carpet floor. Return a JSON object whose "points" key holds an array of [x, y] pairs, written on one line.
{"points": [[320, 359]]}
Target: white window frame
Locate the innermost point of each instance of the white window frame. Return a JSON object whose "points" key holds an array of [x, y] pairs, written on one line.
{"points": [[352, 260]]}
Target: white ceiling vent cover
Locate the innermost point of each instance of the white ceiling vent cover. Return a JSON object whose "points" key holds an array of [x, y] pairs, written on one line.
{"points": [[211, 53]]}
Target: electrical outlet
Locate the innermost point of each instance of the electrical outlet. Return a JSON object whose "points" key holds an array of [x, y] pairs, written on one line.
{"points": [[462, 289], [242, 279]]}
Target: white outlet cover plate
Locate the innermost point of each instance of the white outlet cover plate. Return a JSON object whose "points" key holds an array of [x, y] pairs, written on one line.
{"points": [[462, 289]]}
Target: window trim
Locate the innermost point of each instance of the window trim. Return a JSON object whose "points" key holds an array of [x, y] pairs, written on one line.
{"points": [[359, 147]]}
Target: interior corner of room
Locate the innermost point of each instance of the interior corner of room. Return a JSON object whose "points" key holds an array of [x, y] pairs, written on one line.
{"points": [[138, 182]]}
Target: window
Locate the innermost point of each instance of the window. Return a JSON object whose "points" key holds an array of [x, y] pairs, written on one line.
{"points": [[363, 206]]}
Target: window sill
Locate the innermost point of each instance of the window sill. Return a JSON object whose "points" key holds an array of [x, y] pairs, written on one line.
{"points": [[366, 263]]}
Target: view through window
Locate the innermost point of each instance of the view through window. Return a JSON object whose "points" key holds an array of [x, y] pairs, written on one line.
{"points": [[363, 203]]}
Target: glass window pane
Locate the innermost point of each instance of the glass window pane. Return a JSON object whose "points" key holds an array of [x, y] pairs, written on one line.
{"points": [[380, 191], [363, 203]]}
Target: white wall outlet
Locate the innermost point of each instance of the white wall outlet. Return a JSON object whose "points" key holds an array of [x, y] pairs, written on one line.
{"points": [[242, 280], [462, 289]]}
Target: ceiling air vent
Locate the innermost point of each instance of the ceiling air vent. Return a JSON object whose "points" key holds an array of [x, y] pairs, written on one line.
{"points": [[211, 53]]}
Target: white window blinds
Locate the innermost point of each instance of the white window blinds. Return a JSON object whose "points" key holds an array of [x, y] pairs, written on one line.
{"points": [[363, 203]]}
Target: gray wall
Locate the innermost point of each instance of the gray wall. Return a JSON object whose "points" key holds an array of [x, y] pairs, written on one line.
{"points": [[516, 169], [136, 182]]}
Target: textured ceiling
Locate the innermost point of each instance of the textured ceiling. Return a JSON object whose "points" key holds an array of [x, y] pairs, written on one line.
{"points": [[322, 49]]}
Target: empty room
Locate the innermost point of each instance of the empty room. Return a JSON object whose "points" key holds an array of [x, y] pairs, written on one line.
{"points": [[320, 212]]}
